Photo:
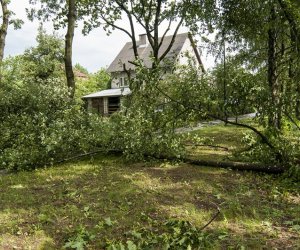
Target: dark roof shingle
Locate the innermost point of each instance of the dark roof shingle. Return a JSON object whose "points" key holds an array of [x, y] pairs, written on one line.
{"points": [[126, 54]]}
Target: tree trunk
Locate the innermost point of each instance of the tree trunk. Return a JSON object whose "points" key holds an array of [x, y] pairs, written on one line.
{"points": [[244, 166], [274, 87], [224, 79], [69, 46], [295, 43], [297, 111], [4, 27], [292, 73]]}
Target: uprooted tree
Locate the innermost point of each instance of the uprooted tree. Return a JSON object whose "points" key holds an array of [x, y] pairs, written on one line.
{"points": [[269, 56]]}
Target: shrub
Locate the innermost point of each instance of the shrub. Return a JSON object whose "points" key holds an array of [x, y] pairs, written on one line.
{"points": [[40, 124]]}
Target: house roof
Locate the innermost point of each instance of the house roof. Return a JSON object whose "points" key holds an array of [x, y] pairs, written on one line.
{"points": [[126, 54], [109, 93], [80, 74]]}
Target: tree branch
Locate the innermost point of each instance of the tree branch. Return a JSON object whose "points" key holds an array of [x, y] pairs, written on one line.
{"points": [[115, 26], [172, 41], [213, 218], [129, 16]]}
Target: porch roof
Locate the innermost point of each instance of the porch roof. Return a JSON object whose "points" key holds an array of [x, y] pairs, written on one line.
{"points": [[109, 92]]}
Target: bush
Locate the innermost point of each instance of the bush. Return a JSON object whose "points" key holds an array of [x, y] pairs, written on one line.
{"points": [[40, 124]]}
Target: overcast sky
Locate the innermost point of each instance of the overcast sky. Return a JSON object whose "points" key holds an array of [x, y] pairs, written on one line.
{"points": [[93, 51]]}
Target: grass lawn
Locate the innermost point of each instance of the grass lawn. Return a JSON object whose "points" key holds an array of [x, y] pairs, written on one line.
{"points": [[228, 138], [106, 201], [97, 201]]}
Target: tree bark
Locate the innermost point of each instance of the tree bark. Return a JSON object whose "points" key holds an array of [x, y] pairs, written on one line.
{"points": [[297, 109], [4, 27], [295, 44], [274, 109], [69, 47], [244, 166], [292, 73], [239, 166]]}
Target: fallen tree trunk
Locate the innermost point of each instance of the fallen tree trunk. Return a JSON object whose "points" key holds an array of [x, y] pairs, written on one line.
{"points": [[206, 145], [256, 167], [243, 166], [75, 157]]}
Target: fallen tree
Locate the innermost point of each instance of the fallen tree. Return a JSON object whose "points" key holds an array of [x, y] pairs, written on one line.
{"points": [[241, 166], [256, 167]]}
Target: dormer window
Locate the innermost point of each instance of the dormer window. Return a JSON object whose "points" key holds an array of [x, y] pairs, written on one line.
{"points": [[123, 82]]}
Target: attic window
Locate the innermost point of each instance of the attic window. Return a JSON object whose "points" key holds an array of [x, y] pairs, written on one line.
{"points": [[123, 82]]}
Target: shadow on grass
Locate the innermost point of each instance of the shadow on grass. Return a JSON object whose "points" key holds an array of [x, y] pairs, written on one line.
{"points": [[109, 197]]}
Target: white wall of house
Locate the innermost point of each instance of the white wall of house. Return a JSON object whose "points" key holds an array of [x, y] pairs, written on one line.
{"points": [[187, 53], [116, 76]]}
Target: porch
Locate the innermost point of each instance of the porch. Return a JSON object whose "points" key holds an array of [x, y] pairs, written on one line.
{"points": [[105, 102]]}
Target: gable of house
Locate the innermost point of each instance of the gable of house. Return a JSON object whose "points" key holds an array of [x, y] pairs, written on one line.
{"points": [[183, 45], [126, 55], [108, 101]]}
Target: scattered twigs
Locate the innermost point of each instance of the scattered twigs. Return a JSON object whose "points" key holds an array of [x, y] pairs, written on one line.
{"points": [[212, 218], [87, 154], [78, 156], [206, 145]]}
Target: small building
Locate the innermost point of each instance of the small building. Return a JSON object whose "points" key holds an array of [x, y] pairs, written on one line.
{"points": [[80, 75], [107, 101]]}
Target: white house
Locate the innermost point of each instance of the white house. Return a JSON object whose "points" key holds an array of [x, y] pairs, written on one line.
{"points": [[108, 101]]}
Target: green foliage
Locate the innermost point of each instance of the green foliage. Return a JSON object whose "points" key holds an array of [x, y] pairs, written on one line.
{"points": [[140, 198], [81, 69], [146, 125], [39, 124], [95, 82], [46, 59], [236, 89], [287, 145], [173, 234], [15, 22], [294, 173], [80, 239]]}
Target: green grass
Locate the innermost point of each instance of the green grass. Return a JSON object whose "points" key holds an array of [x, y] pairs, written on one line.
{"points": [[101, 200], [229, 136]]}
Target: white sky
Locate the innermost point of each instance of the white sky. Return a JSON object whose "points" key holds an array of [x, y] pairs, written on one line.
{"points": [[93, 51]]}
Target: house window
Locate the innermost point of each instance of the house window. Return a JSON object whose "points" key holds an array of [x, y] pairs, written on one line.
{"points": [[123, 82]]}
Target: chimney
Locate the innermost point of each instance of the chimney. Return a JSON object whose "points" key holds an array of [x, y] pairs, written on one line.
{"points": [[142, 40]]}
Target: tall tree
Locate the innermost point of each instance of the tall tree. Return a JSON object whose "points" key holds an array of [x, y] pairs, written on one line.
{"points": [[69, 47], [291, 11], [260, 32], [149, 15], [6, 21], [44, 61], [4, 27], [63, 14]]}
